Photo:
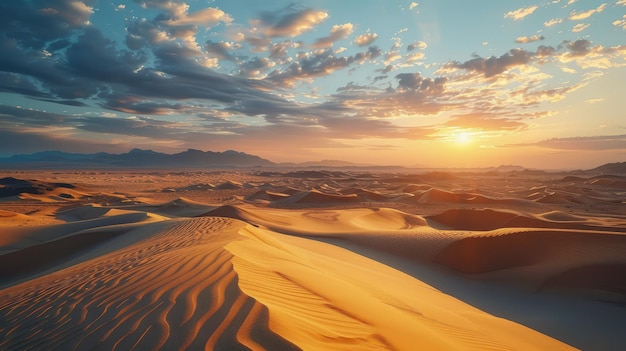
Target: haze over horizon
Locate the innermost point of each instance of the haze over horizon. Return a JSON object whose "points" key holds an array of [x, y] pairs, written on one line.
{"points": [[435, 83]]}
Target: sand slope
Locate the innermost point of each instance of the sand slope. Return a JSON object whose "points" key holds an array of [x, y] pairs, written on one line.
{"points": [[175, 289], [323, 297], [314, 261]]}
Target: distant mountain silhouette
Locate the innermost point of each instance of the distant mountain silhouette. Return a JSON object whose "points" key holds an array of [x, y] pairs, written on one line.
{"points": [[135, 158], [611, 168]]}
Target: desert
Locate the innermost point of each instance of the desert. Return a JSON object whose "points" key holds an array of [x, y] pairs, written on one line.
{"points": [[312, 175], [312, 260]]}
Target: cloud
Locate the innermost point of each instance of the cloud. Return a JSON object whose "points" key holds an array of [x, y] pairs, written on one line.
{"points": [[620, 22], [365, 39], [205, 17], [318, 64], [577, 16], [222, 50], [413, 96], [594, 101], [255, 67], [20, 84], [33, 24], [290, 21], [414, 81], [520, 13], [530, 39], [20, 141], [486, 122], [536, 96], [544, 50], [96, 57], [602, 142], [492, 66], [580, 27], [553, 22], [416, 45], [279, 51], [587, 56], [413, 5], [337, 32], [415, 56]]}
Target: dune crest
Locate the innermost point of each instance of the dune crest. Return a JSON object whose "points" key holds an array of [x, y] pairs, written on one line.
{"points": [[175, 289], [324, 297]]}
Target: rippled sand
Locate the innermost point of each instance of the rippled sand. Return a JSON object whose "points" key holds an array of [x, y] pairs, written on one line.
{"points": [[311, 260]]}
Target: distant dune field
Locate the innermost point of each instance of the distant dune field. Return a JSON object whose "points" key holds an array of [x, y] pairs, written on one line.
{"points": [[228, 260]]}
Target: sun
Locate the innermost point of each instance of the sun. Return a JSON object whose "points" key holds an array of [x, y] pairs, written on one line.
{"points": [[463, 138]]}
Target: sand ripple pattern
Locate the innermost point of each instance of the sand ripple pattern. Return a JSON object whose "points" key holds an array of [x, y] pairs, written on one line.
{"points": [[174, 290]]}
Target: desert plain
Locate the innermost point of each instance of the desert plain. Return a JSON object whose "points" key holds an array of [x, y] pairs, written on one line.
{"points": [[311, 259]]}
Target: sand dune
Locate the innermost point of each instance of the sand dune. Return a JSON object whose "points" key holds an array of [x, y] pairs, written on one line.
{"points": [[330, 298], [175, 289], [312, 260], [318, 198]]}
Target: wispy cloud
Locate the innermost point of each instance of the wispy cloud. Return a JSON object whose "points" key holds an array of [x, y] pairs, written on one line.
{"points": [[290, 21], [337, 32], [520, 13], [580, 27], [620, 22], [601, 142], [553, 22], [581, 15]]}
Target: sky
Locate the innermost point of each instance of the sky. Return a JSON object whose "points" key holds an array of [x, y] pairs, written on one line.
{"points": [[446, 83]]}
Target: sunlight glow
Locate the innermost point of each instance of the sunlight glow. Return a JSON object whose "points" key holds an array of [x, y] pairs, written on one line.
{"points": [[463, 138]]}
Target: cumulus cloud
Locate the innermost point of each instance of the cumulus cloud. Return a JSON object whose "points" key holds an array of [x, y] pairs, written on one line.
{"points": [[222, 50], [255, 67], [520, 13], [205, 17], [530, 39], [33, 24], [416, 45], [317, 64], [337, 32], [415, 81], [291, 21], [365, 39], [492, 66]]}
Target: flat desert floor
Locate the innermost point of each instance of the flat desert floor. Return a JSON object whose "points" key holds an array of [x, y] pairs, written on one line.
{"points": [[312, 260]]}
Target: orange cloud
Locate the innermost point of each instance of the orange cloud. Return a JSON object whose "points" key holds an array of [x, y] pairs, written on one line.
{"points": [[530, 39], [292, 24], [365, 39], [520, 13], [577, 16], [337, 32]]}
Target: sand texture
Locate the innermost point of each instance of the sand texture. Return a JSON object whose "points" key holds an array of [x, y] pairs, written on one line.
{"points": [[311, 260]]}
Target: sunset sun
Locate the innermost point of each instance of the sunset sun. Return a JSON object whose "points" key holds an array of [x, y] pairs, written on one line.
{"points": [[463, 138]]}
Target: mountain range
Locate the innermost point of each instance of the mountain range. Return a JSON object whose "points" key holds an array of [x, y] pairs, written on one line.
{"points": [[197, 159], [135, 158]]}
